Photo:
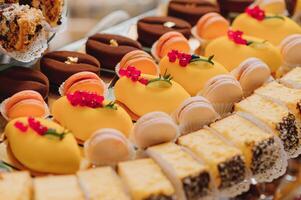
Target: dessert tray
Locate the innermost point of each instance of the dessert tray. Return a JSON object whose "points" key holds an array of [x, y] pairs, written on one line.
{"points": [[215, 116]]}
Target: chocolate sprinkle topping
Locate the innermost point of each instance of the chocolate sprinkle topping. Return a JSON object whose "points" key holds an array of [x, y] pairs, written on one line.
{"points": [[197, 186], [159, 197]]}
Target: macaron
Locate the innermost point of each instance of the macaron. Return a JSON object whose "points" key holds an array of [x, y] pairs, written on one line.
{"points": [[154, 128], [212, 25], [108, 147], [251, 74], [194, 113], [83, 81], [223, 91], [141, 60], [171, 41], [27, 103], [290, 49]]}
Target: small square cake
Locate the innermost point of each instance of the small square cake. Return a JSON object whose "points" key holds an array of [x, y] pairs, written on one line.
{"points": [[145, 180], [102, 183], [58, 188], [292, 79], [226, 163], [179, 164], [15, 186], [277, 117], [261, 151]]}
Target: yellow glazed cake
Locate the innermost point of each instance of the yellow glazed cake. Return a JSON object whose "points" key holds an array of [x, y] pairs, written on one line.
{"points": [[101, 183], [43, 146], [193, 74], [230, 52], [190, 177], [141, 94], [91, 114], [145, 180]]}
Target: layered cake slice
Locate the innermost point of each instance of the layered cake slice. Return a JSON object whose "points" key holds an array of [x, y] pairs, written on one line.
{"points": [[263, 152], [274, 117], [57, 187], [15, 186], [292, 79], [226, 163], [190, 178], [145, 180], [290, 97], [101, 183]]}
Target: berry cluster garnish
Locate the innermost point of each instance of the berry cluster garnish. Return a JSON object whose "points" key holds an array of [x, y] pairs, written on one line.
{"points": [[257, 13], [237, 38], [38, 128], [134, 74], [185, 59], [87, 99]]}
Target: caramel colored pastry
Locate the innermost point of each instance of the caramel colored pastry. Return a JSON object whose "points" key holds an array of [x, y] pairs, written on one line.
{"points": [[109, 49], [191, 178], [226, 163], [57, 149], [191, 10], [141, 94], [21, 26], [15, 186], [190, 71], [84, 113], [243, 47], [261, 151], [194, 113], [154, 128], [83, 81], [98, 148], [289, 49], [27, 103], [251, 74], [277, 117], [150, 29], [292, 79], [212, 25], [58, 188], [101, 183], [171, 41], [141, 60], [145, 180], [60, 65], [270, 27]]}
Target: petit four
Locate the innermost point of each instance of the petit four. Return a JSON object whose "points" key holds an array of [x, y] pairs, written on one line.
{"points": [[83, 81], [109, 49], [60, 65], [292, 79], [15, 185], [226, 163], [243, 47], [141, 94], [214, 91], [273, 28], [212, 25], [194, 113], [84, 113], [145, 180], [171, 41], [27, 103], [57, 149], [191, 10], [16, 79], [272, 6], [98, 148], [57, 187], [141, 60], [150, 29], [23, 32], [251, 74], [274, 117], [101, 183], [191, 71], [263, 152], [289, 49], [189, 177], [154, 128]]}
